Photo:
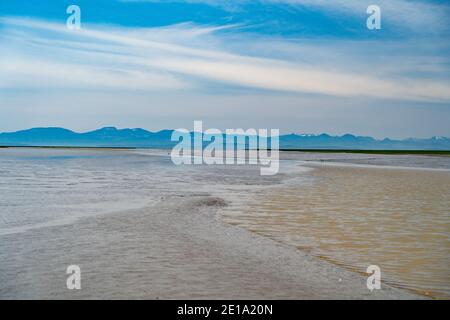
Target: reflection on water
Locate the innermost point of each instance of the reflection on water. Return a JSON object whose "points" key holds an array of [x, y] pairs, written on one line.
{"points": [[398, 219], [134, 210]]}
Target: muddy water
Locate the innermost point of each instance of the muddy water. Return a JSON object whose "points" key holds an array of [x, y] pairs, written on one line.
{"points": [[398, 219], [140, 227]]}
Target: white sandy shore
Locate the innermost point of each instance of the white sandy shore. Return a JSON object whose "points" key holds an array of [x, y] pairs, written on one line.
{"points": [[154, 253]]}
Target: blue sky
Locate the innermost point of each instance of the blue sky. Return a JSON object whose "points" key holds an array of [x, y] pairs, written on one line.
{"points": [[306, 66]]}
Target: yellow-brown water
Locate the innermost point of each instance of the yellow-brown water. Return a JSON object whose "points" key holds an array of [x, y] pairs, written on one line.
{"points": [[398, 219]]}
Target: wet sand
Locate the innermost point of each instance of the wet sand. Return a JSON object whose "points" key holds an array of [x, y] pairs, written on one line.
{"points": [[141, 228], [355, 216], [162, 252]]}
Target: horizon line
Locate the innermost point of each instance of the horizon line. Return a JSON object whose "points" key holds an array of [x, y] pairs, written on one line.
{"points": [[192, 131]]}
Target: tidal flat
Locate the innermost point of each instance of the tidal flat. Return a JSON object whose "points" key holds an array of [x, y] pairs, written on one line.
{"points": [[141, 228]]}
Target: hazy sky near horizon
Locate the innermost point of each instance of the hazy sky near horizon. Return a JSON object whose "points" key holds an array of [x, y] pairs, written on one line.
{"points": [[304, 66]]}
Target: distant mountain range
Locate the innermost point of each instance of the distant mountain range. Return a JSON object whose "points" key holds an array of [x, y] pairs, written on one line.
{"points": [[140, 138]]}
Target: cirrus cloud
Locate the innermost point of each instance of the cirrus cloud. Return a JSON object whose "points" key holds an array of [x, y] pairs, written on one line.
{"points": [[45, 54]]}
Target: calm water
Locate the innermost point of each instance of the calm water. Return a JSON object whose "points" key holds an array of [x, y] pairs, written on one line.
{"points": [[351, 216], [356, 216], [46, 187]]}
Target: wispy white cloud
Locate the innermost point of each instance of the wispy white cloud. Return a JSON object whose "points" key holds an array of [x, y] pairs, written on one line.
{"points": [[419, 16], [44, 54]]}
